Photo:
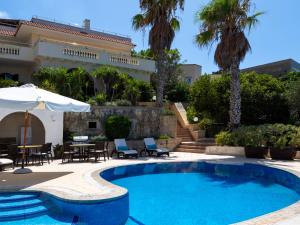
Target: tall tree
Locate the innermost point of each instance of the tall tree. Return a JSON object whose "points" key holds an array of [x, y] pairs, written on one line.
{"points": [[224, 22], [160, 16]]}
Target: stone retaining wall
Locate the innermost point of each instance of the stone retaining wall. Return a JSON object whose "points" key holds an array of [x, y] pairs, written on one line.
{"points": [[225, 150], [145, 121]]}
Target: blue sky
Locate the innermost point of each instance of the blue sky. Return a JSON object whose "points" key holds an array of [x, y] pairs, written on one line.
{"points": [[276, 37]]}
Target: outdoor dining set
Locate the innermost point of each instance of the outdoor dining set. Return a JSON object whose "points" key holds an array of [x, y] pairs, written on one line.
{"points": [[80, 149]]}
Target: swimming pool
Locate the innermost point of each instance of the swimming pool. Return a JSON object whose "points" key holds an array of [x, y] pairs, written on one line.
{"points": [[183, 193], [203, 193]]}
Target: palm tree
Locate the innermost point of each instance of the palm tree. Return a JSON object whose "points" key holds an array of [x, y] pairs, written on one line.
{"points": [[160, 16], [224, 22]]}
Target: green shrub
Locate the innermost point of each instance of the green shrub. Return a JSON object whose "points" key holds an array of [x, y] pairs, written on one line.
{"points": [[119, 102], [146, 91], [164, 137], [100, 98], [68, 135], [117, 127], [178, 92], [276, 135], [262, 99], [191, 113], [281, 135], [123, 102], [225, 138], [98, 138], [295, 141], [74, 83], [8, 83], [205, 123], [92, 101]]}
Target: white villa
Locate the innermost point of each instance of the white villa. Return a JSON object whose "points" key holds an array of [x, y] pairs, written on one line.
{"points": [[26, 46]]}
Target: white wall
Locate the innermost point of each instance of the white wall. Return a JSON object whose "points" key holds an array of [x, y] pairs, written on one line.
{"points": [[52, 121]]}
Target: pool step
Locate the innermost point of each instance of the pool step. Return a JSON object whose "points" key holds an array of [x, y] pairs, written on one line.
{"points": [[20, 204], [14, 206], [14, 197], [7, 215]]}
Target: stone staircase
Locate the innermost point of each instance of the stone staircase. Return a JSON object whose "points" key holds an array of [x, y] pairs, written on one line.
{"points": [[184, 133], [197, 146], [188, 144], [191, 140]]}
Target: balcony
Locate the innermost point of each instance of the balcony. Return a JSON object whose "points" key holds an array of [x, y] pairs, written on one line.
{"points": [[16, 52], [89, 55]]}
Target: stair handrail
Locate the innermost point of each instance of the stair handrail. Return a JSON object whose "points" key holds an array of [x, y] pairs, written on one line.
{"points": [[180, 113]]}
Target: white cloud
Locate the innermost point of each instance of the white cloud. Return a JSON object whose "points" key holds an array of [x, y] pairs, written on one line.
{"points": [[4, 15]]}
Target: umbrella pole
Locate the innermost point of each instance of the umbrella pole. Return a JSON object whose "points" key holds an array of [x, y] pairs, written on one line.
{"points": [[25, 135]]}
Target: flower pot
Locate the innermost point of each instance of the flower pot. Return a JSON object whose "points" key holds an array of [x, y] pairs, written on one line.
{"points": [[285, 153], [256, 152]]}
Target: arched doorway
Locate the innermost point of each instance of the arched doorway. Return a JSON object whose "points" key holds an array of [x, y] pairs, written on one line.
{"points": [[11, 127]]}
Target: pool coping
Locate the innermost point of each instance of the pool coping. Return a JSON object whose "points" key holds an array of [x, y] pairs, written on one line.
{"points": [[266, 219], [111, 192]]}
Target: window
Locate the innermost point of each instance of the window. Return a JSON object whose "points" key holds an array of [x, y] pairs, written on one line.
{"points": [[8, 76], [188, 80], [92, 125]]}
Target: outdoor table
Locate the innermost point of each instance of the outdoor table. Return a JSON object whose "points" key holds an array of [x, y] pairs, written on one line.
{"points": [[82, 148], [25, 151]]}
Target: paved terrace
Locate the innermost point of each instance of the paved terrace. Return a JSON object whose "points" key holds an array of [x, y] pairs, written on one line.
{"points": [[81, 181]]}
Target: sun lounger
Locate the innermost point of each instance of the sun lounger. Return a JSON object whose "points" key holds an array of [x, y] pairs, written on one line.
{"points": [[122, 149], [151, 148]]}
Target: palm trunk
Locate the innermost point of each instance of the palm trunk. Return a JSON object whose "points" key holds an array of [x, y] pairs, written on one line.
{"points": [[235, 96], [160, 84]]}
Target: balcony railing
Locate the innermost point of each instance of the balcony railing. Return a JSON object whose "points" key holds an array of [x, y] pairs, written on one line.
{"points": [[91, 55], [124, 60], [15, 52], [9, 51], [80, 53]]}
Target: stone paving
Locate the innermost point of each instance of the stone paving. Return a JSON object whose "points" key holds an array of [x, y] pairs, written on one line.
{"points": [[81, 181]]}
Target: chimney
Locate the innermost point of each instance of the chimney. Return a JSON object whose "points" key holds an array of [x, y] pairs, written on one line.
{"points": [[86, 24]]}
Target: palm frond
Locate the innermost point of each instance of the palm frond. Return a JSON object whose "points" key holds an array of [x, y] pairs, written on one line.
{"points": [[138, 22], [205, 38], [251, 21], [175, 24]]}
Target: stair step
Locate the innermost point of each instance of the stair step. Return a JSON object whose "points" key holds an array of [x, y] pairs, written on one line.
{"points": [[191, 147], [14, 197], [190, 150], [22, 213], [196, 143], [20, 204]]}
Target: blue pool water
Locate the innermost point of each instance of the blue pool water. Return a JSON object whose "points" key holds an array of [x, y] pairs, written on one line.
{"points": [[186, 193], [201, 198]]}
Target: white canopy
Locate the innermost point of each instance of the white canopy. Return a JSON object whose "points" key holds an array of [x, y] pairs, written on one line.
{"points": [[29, 97]]}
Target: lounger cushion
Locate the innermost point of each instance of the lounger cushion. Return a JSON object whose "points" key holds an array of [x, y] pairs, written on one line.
{"points": [[162, 150], [4, 162], [130, 152], [152, 147], [122, 148]]}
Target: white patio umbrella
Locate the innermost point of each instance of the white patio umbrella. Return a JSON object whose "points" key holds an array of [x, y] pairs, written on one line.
{"points": [[29, 97]]}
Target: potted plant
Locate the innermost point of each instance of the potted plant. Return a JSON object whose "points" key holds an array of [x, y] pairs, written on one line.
{"points": [[281, 145], [295, 142], [254, 142]]}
